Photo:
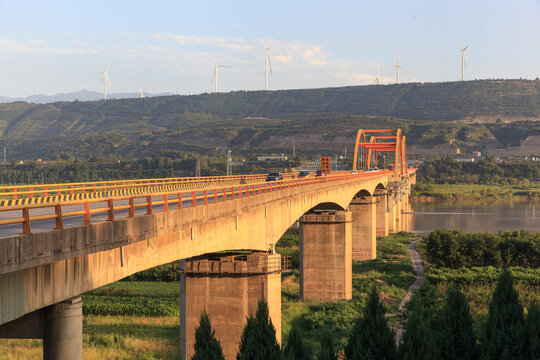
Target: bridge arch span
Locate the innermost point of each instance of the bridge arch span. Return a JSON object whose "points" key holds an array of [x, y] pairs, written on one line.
{"points": [[82, 258]]}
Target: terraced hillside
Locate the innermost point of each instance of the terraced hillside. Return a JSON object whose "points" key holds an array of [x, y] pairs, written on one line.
{"points": [[430, 114]]}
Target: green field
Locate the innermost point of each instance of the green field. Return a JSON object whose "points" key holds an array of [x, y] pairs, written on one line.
{"points": [[478, 192], [140, 319]]}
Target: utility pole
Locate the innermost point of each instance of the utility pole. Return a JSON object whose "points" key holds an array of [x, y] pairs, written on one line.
{"points": [[198, 168], [294, 149], [229, 163]]}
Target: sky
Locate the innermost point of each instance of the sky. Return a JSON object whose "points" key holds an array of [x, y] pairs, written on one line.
{"points": [[48, 47]]}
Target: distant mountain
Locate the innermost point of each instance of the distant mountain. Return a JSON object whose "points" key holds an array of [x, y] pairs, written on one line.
{"points": [[474, 115], [83, 95]]}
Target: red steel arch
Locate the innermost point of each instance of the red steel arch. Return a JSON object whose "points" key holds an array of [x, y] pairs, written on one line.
{"points": [[392, 140]]}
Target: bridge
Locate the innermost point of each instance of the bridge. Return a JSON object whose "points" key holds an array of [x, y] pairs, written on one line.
{"points": [[59, 241]]}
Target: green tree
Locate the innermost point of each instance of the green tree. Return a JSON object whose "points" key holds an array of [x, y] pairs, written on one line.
{"points": [[417, 341], [327, 349], [295, 348], [504, 328], [258, 340], [532, 331], [371, 337], [456, 337], [207, 347]]}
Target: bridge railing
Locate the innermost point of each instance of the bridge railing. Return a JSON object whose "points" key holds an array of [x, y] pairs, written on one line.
{"points": [[89, 189], [55, 214]]}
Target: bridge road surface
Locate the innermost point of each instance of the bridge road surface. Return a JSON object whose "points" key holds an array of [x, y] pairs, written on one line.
{"points": [[47, 225]]}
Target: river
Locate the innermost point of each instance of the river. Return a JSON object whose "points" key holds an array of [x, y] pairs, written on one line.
{"points": [[475, 216]]}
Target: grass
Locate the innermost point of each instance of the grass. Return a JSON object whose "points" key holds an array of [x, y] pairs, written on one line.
{"points": [[140, 320], [466, 191], [392, 273]]}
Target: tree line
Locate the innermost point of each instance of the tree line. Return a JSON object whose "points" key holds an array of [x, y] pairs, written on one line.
{"points": [[431, 331], [488, 172], [455, 249]]}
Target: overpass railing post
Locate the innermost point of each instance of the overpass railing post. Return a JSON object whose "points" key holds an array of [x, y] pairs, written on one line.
{"points": [[232, 193], [131, 207], [165, 203], [193, 199], [149, 205], [59, 219], [205, 201], [110, 203], [215, 196], [87, 217], [179, 205], [26, 222]]}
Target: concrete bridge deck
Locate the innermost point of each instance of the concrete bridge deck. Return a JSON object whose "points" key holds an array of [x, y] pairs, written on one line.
{"points": [[116, 237]]}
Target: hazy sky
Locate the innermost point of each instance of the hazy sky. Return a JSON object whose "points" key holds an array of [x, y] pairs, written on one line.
{"points": [[170, 46]]}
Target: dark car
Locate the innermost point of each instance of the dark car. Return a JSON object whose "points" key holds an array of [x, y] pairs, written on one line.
{"points": [[275, 176], [303, 174], [319, 173]]}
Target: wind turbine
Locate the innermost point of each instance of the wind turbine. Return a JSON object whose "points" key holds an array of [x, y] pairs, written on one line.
{"points": [[397, 68], [215, 77], [105, 81], [463, 50], [267, 64], [141, 91], [378, 78]]}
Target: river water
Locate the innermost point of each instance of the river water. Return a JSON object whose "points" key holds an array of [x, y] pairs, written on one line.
{"points": [[475, 216]]}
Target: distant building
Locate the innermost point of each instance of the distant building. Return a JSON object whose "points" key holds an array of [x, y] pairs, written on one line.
{"points": [[316, 165], [477, 154], [467, 160], [272, 158]]}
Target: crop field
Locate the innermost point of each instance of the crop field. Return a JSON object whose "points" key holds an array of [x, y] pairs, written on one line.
{"points": [[140, 319]]}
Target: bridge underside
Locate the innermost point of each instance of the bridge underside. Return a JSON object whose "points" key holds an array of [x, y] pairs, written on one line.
{"points": [[46, 268]]}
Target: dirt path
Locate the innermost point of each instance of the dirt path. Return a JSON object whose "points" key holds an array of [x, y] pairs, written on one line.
{"points": [[420, 276]]}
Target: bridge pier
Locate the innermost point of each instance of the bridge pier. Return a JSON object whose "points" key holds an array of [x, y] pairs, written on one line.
{"points": [[229, 288], [62, 335], [364, 221], [326, 256], [382, 214], [59, 325]]}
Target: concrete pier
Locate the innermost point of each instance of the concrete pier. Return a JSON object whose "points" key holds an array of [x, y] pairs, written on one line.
{"points": [[364, 221], [382, 214], [229, 289], [326, 256], [62, 335], [59, 325]]}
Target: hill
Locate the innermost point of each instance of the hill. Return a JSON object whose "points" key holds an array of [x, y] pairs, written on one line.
{"points": [[314, 119], [82, 95]]}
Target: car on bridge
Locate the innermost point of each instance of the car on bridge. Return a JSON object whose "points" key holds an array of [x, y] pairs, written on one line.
{"points": [[319, 173], [274, 176], [374, 169], [303, 174]]}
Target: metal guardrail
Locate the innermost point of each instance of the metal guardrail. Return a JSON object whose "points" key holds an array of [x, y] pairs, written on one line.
{"points": [[45, 190], [190, 197]]}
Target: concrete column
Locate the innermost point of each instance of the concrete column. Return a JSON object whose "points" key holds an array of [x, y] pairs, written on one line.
{"points": [[229, 289], [62, 335], [382, 215], [326, 256], [392, 214], [364, 221]]}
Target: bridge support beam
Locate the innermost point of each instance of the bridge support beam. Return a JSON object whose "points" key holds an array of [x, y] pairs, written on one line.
{"points": [[326, 256], [62, 335], [394, 213], [382, 214], [59, 325], [229, 289], [364, 221]]}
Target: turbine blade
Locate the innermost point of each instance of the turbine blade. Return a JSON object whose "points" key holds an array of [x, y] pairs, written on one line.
{"points": [[108, 67]]}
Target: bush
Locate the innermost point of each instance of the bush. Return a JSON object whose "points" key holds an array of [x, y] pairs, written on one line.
{"points": [[455, 249]]}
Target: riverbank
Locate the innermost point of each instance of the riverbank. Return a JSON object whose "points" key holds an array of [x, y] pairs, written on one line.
{"points": [[465, 192], [140, 319]]}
